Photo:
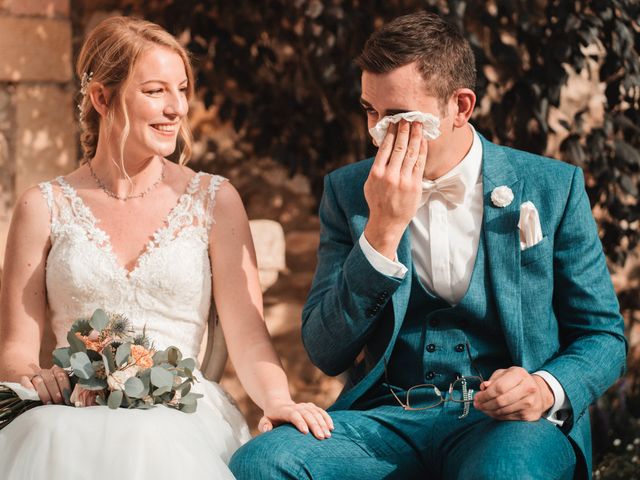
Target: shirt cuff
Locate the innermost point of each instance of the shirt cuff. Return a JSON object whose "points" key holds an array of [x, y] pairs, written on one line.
{"points": [[381, 263], [561, 408]]}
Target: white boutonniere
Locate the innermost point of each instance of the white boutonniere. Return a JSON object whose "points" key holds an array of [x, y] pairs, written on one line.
{"points": [[501, 196]]}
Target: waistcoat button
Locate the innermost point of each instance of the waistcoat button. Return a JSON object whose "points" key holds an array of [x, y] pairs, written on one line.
{"points": [[460, 347], [430, 375], [431, 348]]}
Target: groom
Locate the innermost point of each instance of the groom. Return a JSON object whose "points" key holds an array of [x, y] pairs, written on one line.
{"points": [[426, 276]]}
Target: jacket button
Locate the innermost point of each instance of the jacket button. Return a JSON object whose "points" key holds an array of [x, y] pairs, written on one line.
{"points": [[460, 347], [430, 375], [433, 322], [431, 348]]}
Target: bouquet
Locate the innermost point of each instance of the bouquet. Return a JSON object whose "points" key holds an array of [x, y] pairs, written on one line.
{"points": [[109, 365]]}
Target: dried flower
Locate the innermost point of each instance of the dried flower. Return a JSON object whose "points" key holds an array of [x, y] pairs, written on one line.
{"points": [[81, 397]]}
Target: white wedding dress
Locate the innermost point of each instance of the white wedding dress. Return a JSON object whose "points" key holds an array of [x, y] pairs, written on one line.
{"points": [[169, 293]]}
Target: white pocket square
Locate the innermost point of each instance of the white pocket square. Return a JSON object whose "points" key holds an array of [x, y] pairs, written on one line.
{"points": [[529, 225]]}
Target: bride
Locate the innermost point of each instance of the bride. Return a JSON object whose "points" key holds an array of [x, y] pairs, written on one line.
{"points": [[134, 233]]}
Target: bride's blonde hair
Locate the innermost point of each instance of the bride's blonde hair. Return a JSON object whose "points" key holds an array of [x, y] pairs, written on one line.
{"points": [[109, 56]]}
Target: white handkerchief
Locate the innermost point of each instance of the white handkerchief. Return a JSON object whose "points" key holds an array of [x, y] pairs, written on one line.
{"points": [[529, 225], [23, 392], [430, 125]]}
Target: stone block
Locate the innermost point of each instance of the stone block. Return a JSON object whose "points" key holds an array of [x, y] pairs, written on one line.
{"points": [[35, 49], [268, 238], [40, 8], [44, 134]]}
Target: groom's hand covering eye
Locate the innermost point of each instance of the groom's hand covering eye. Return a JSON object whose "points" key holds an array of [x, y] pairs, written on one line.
{"points": [[393, 190]]}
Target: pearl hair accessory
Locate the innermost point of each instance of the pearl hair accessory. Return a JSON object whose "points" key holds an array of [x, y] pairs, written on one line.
{"points": [[84, 83]]}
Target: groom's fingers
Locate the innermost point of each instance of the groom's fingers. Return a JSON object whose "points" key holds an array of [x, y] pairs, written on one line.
{"points": [[384, 152]]}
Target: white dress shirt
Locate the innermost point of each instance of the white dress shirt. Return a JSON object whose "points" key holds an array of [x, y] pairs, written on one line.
{"points": [[444, 245]]}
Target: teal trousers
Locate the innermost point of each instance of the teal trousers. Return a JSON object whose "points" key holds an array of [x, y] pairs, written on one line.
{"points": [[388, 442]]}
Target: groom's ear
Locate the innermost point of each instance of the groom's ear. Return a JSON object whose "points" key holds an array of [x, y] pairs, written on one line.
{"points": [[464, 101]]}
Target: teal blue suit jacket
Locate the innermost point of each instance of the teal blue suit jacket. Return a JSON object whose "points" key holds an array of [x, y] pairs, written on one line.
{"points": [[555, 300]]}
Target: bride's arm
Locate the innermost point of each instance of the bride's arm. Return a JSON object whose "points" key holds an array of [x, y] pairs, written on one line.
{"points": [[238, 298], [23, 300]]}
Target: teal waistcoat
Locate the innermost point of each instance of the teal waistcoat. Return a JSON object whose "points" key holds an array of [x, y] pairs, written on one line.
{"points": [[431, 346]]}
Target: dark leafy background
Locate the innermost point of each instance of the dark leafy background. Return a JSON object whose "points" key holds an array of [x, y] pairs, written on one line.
{"points": [[282, 73]]}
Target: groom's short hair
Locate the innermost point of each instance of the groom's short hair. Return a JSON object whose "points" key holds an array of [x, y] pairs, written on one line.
{"points": [[443, 55]]}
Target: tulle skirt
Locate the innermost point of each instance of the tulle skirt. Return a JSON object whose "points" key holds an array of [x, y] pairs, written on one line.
{"points": [[57, 442]]}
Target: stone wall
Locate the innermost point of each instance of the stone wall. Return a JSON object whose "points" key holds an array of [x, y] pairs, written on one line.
{"points": [[37, 125]]}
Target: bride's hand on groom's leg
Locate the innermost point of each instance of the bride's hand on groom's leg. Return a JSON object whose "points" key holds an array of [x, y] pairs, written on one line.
{"points": [[306, 417], [50, 383]]}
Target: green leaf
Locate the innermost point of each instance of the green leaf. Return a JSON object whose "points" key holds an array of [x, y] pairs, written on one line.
{"points": [[160, 357], [185, 388], [134, 388], [115, 399], [161, 377], [100, 401], [81, 326], [99, 320], [75, 344], [93, 383], [122, 354], [82, 365], [61, 357], [161, 391], [108, 360], [188, 407], [190, 398], [188, 363], [173, 355]]}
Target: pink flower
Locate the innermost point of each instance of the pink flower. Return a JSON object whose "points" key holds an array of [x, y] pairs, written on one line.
{"points": [[82, 397]]}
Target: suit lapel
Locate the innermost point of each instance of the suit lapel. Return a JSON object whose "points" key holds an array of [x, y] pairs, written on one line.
{"points": [[500, 229]]}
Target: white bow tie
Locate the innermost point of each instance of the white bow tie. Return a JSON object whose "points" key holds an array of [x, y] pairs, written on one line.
{"points": [[452, 189]]}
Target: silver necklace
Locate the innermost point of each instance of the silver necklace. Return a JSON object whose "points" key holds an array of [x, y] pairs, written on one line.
{"points": [[128, 197]]}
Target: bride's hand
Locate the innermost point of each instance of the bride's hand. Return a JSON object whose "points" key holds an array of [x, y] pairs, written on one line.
{"points": [[304, 416], [50, 383]]}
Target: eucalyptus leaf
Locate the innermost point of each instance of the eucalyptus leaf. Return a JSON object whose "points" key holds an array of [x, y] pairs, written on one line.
{"points": [[173, 355], [161, 377], [81, 365], [81, 326], [108, 360], [99, 320], [160, 357], [134, 388], [188, 407], [190, 398], [185, 388], [115, 399], [122, 354], [188, 363], [161, 391], [61, 357], [75, 344], [93, 383]]}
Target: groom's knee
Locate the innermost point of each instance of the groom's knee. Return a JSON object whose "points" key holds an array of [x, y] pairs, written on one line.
{"points": [[268, 456]]}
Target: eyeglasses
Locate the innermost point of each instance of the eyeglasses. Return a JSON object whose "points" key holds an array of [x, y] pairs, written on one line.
{"points": [[428, 395]]}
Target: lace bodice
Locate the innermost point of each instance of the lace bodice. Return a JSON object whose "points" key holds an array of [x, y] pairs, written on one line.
{"points": [[169, 289]]}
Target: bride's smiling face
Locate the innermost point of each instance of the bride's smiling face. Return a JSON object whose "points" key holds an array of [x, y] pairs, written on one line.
{"points": [[156, 102]]}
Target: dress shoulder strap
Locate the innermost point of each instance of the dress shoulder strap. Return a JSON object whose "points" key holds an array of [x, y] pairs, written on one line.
{"points": [[215, 181], [46, 188]]}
